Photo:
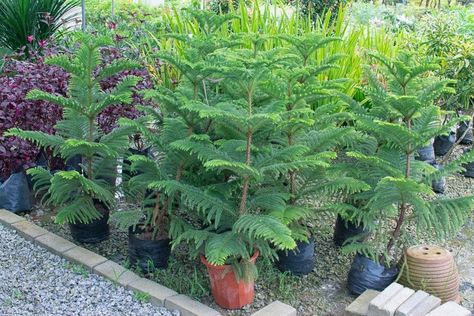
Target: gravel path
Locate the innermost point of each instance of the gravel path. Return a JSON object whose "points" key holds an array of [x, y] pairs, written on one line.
{"points": [[35, 282]]}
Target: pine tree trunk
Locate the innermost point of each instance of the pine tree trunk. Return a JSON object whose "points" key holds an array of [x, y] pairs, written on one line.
{"points": [[89, 158], [248, 147], [179, 173], [403, 206], [245, 185], [292, 176], [159, 218]]}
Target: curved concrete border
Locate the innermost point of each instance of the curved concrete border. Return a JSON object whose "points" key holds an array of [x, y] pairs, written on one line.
{"points": [[159, 295]]}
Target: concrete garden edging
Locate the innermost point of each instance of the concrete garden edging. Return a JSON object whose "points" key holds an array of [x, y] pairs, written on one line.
{"points": [[159, 295]]}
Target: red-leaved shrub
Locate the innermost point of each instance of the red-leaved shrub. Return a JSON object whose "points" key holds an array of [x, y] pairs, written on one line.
{"points": [[109, 117], [17, 78]]}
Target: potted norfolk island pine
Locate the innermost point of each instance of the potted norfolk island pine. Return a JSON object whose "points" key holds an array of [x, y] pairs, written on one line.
{"points": [[147, 222], [155, 219], [400, 204], [237, 207], [311, 121], [239, 187], [81, 197], [159, 215]]}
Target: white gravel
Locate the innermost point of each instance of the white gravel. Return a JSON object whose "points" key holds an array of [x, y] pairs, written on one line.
{"points": [[34, 281]]}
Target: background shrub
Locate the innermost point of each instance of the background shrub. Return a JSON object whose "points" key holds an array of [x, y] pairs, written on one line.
{"points": [[29, 23], [223, 6], [109, 117], [17, 79], [317, 8]]}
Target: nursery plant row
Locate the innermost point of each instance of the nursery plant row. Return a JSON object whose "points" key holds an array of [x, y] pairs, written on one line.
{"points": [[242, 143]]}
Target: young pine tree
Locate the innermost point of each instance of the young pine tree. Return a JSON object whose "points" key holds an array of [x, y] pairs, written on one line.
{"points": [[236, 148], [311, 121], [158, 210], [80, 195], [401, 116]]}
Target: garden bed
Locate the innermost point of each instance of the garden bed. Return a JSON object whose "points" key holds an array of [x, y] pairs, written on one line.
{"points": [[322, 292], [233, 151], [314, 294]]}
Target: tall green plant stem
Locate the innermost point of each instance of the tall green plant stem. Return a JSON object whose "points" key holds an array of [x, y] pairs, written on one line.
{"points": [[246, 182], [179, 171], [91, 117], [403, 206], [90, 139], [159, 216], [159, 213], [291, 174]]}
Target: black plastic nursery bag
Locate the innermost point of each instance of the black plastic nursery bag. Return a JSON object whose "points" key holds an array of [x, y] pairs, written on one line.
{"points": [[443, 143], [15, 193], [367, 274]]}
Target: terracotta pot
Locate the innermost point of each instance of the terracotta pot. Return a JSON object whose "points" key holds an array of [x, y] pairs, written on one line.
{"points": [[432, 269], [228, 292]]}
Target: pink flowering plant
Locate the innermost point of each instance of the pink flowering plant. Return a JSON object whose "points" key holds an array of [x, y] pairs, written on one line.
{"points": [[27, 24]]}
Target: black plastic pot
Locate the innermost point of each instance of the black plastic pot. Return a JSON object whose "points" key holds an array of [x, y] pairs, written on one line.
{"points": [[345, 230], [427, 154], [438, 186], [443, 143], [469, 173], [299, 261], [94, 232], [469, 137], [147, 254], [15, 193], [367, 274]]}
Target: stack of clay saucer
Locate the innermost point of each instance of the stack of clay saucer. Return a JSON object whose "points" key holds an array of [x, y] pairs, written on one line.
{"points": [[432, 269]]}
